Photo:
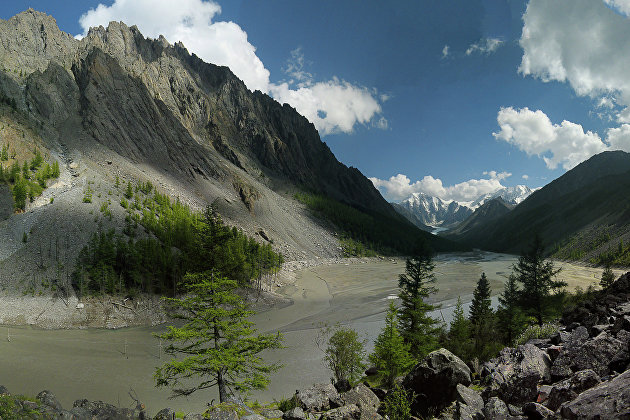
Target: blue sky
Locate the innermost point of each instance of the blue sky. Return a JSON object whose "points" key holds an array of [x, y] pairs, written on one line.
{"points": [[454, 99]]}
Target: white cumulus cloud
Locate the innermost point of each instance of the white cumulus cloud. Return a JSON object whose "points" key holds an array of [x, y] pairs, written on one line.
{"points": [[445, 51], [485, 46], [565, 144], [581, 42], [399, 187], [622, 6], [333, 106]]}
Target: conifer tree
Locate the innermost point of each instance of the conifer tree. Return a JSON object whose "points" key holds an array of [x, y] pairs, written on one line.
{"points": [[55, 170], [458, 337], [481, 317], [219, 345], [129, 191], [391, 355], [19, 193], [418, 329], [536, 275], [608, 277], [509, 315]]}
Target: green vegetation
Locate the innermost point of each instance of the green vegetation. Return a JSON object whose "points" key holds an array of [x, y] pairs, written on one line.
{"points": [[608, 277], [509, 314], [176, 241], [219, 345], [391, 355], [537, 331], [418, 329], [536, 275], [377, 232], [458, 339], [344, 353], [26, 180], [398, 403]]}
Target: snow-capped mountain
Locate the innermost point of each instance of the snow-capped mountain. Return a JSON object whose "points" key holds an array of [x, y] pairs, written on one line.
{"points": [[434, 212], [511, 195]]}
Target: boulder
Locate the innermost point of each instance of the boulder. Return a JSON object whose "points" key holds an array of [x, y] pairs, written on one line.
{"points": [[362, 397], [248, 417], [294, 414], [535, 411], [434, 380], [319, 397], [496, 409], [517, 373], [3, 390], [192, 416], [607, 400], [622, 323], [165, 414], [102, 410], [221, 415], [49, 399], [469, 404], [347, 412], [595, 354], [271, 413], [343, 385]]}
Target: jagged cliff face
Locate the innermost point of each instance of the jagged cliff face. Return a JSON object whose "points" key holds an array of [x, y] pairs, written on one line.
{"points": [[150, 101], [117, 104]]}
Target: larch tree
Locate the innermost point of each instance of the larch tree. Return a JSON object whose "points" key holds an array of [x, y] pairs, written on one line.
{"points": [[216, 343], [391, 355], [608, 277], [458, 337], [481, 317], [417, 327], [509, 315]]}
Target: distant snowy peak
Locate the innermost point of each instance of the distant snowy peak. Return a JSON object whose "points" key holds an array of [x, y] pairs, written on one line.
{"points": [[511, 195], [433, 211]]}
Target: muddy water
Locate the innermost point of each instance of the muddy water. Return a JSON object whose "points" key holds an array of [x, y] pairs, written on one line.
{"points": [[105, 364]]}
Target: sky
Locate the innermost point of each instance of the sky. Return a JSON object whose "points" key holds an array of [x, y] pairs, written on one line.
{"points": [[450, 98]]}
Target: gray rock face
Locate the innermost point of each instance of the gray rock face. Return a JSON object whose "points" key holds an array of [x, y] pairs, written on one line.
{"points": [[271, 414], [608, 400], [568, 389], [49, 399], [318, 397], [222, 415], [496, 409], [347, 412], [514, 376], [294, 414], [595, 354], [537, 411], [435, 379], [165, 414], [362, 397], [102, 410]]}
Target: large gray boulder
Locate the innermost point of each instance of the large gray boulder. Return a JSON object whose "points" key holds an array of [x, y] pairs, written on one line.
{"points": [[515, 375], [595, 354], [49, 399], [434, 381], [569, 389], [362, 397], [347, 412], [608, 400], [294, 414], [101, 410], [319, 397]]}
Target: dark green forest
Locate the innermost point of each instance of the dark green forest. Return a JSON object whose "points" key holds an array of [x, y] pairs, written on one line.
{"points": [[162, 241]]}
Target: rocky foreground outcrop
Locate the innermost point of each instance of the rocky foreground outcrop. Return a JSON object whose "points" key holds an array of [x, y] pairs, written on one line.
{"points": [[582, 372]]}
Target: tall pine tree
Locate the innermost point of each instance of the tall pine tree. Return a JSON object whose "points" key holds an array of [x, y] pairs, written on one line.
{"points": [[482, 319], [459, 333], [418, 329], [536, 275], [509, 315]]}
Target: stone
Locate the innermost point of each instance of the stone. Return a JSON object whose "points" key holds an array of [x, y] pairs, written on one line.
{"points": [[595, 354], [3, 390], [294, 414], [362, 397], [317, 398], [248, 417], [470, 397], [560, 337], [607, 400], [271, 413], [371, 371], [495, 409], [192, 416], [165, 414], [621, 323], [554, 352], [434, 380], [535, 411], [543, 393], [517, 374], [347, 412], [102, 410], [221, 415], [49, 399], [568, 389]]}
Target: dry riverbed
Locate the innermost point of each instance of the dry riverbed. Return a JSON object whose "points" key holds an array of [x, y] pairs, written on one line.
{"points": [[105, 364]]}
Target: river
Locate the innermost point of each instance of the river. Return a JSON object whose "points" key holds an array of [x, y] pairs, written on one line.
{"points": [[106, 364]]}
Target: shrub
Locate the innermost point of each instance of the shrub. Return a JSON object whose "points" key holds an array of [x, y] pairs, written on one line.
{"points": [[537, 331], [398, 404]]}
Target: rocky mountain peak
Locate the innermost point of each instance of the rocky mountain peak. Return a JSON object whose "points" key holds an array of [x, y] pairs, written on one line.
{"points": [[30, 40]]}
